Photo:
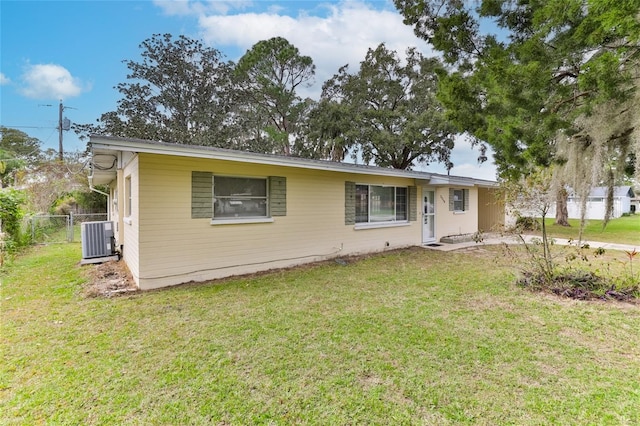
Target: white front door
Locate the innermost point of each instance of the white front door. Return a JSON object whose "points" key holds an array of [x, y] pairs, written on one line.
{"points": [[429, 216]]}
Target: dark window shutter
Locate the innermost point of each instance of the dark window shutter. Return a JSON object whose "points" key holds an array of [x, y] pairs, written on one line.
{"points": [[413, 205], [349, 203], [465, 193], [278, 195], [451, 197], [201, 195]]}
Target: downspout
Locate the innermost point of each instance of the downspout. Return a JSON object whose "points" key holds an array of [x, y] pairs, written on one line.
{"points": [[92, 188]]}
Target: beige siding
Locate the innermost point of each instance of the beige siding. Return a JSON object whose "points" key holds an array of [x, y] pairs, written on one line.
{"points": [[130, 225], [173, 248], [491, 213], [455, 223]]}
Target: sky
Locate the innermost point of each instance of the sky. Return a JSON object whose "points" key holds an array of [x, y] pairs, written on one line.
{"points": [[73, 51]]}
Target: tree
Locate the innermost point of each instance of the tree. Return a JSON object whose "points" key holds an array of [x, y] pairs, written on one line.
{"points": [[325, 135], [20, 144], [387, 112], [178, 92], [269, 108], [533, 195], [17, 152], [532, 85], [52, 179], [11, 213]]}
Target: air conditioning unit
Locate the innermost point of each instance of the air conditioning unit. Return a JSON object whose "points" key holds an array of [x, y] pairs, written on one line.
{"points": [[97, 240]]}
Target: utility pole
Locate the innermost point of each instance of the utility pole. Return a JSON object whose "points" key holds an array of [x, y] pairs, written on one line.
{"points": [[60, 129], [63, 124]]}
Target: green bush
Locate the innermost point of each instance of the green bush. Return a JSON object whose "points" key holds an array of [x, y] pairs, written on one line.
{"points": [[576, 279], [526, 223], [11, 213]]}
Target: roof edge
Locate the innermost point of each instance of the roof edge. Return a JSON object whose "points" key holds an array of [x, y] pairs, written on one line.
{"points": [[198, 151]]}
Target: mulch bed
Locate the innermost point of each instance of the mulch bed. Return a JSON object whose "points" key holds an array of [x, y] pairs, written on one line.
{"points": [[109, 279]]}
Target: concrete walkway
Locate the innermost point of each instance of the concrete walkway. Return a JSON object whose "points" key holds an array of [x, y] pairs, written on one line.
{"points": [[493, 239]]}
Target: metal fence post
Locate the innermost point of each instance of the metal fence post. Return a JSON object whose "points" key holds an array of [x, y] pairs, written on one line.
{"points": [[71, 230]]}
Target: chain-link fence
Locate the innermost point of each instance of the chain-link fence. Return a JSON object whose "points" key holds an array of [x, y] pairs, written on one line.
{"points": [[48, 229]]}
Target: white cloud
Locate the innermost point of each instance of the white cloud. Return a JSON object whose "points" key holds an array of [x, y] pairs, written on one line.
{"points": [[479, 171], [465, 162], [331, 33], [4, 79], [50, 81], [337, 34], [189, 7]]}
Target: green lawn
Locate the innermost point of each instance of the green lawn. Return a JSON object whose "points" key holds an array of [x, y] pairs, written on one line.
{"points": [[623, 230], [407, 337]]}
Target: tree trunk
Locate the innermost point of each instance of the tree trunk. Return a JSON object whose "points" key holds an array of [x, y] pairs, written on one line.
{"points": [[562, 214]]}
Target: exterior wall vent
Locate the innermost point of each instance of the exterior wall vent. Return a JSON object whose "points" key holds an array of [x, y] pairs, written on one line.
{"points": [[97, 239]]}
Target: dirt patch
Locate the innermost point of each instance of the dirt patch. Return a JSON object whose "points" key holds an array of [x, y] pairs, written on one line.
{"points": [[108, 279]]}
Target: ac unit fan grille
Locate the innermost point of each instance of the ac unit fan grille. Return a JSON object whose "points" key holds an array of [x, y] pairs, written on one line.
{"points": [[97, 239]]}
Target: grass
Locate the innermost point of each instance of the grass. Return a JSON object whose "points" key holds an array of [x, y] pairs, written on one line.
{"points": [[405, 337], [623, 230]]}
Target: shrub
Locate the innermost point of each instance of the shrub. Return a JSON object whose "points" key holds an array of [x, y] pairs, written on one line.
{"points": [[11, 214], [577, 281], [526, 223]]}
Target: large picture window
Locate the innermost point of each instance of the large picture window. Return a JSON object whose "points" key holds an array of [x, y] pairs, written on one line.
{"points": [[239, 197], [380, 203]]}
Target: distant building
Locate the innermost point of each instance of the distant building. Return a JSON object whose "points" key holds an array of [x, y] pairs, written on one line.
{"points": [[596, 203]]}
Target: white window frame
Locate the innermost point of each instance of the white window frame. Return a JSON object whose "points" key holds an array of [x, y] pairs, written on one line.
{"points": [[386, 223], [128, 200], [216, 220], [461, 201]]}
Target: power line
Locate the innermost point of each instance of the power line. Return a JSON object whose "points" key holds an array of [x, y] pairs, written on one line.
{"points": [[28, 127]]}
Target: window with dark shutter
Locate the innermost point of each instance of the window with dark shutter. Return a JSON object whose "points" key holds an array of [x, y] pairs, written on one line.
{"points": [[231, 197], [458, 200], [381, 204]]}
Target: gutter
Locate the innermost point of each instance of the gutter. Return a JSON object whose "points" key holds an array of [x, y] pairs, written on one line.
{"points": [[110, 143], [92, 188]]}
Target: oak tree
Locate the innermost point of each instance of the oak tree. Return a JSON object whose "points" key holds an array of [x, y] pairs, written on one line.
{"points": [[18, 151], [530, 76], [177, 92], [386, 112]]}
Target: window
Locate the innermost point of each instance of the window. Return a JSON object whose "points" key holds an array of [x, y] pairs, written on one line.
{"points": [[380, 204], [458, 200], [127, 195], [245, 199], [238, 197]]}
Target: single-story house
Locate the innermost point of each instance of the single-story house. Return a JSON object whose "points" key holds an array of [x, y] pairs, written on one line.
{"points": [[596, 203], [192, 213]]}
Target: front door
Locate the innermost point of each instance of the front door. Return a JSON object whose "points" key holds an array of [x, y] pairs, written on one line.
{"points": [[429, 216]]}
